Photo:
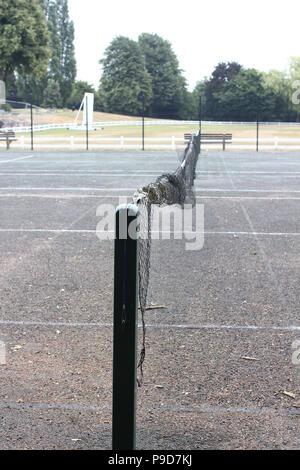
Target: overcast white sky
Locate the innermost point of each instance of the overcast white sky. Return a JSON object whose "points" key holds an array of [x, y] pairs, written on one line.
{"points": [[259, 33]]}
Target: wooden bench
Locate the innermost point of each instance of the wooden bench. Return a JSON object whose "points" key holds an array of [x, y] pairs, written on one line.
{"points": [[212, 139], [8, 136]]}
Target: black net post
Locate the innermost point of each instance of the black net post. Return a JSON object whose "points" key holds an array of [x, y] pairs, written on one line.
{"points": [[143, 121], [31, 122], [87, 123], [200, 122], [257, 132], [125, 328]]}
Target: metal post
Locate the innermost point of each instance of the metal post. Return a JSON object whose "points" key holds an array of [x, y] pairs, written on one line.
{"points": [[125, 329], [200, 122], [143, 121], [31, 122], [257, 133], [87, 123]]}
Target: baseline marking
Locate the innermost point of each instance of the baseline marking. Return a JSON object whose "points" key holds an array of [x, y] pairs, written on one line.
{"points": [[210, 409], [206, 232], [198, 190], [16, 159], [155, 326], [90, 196]]}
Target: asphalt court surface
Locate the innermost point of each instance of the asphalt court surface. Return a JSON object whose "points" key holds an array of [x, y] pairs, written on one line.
{"points": [[219, 372]]}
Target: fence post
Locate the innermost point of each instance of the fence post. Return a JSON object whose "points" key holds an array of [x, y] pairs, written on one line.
{"points": [[72, 142], [125, 328], [173, 142], [143, 121], [87, 123], [122, 142], [275, 143], [200, 122], [31, 122], [22, 142]]}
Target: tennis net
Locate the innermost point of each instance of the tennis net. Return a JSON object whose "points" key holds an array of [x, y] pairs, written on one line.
{"points": [[167, 189]]}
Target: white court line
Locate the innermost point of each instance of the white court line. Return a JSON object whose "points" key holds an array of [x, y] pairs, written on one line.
{"points": [[8, 188], [198, 189], [289, 174], [247, 172], [16, 159], [187, 326], [129, 196], [266, 198], [82, 174], [208, 409], [187, 232]]}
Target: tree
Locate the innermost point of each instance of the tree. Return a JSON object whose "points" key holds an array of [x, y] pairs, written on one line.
{"points": [[79, 89], [244, 98], [45, 6], [169, 94], [124, 81], [24, 38], [67, 62], [61, 65], [54, 69], [280, 84], [52, 95], [223, 73]]}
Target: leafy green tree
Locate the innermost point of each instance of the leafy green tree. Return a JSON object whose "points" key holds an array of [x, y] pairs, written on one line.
{"points": [[67, 62], [61, 65], [79, 89], [45, 6], [244, 98], [52, 96], [24, 38], [222, 74], [280, 83], [27, 85], [169, 94], [54, 70], [124, 79]]}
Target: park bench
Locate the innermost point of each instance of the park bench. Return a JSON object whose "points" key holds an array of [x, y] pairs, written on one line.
{"points": [[212, 139], [8, 137]]}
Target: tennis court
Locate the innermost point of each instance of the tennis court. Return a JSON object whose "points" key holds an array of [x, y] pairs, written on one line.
{"points": [[218, 372]]}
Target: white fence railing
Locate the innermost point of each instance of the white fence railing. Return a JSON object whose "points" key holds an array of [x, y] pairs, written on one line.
{"points": [[97, 125], [167, 143]]}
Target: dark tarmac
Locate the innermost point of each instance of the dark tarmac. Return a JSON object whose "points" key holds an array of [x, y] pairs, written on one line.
{"points": [[218, 371]]}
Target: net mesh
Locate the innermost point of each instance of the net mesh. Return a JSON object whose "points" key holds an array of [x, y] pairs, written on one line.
{"points": [[168, 189]]}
